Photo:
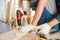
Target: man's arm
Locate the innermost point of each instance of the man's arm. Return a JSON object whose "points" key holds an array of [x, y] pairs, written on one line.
{"points": [[40, 7], [54, 21], [45, 28]]}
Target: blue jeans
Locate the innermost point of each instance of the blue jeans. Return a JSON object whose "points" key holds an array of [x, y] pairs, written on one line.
{"points": [[46, 17]]}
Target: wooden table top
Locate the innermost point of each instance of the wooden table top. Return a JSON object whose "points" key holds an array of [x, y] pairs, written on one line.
{"points": [[31, 36]]}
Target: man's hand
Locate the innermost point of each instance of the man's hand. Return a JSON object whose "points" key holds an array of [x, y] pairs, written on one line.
{"points": [[44, 28], [27, 28]]}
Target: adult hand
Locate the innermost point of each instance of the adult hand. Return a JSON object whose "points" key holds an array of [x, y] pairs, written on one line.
{"points": [[44, 28], [27, 28]]}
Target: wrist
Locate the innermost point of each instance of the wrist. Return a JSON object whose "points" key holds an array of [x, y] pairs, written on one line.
{"points": [[47, 26]]}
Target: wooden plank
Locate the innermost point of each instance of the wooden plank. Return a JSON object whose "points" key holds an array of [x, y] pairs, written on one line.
{"points": [[8, 12], [20, 34], [15, 35], [12, 35]]}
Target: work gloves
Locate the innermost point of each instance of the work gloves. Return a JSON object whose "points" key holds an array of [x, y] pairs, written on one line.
{"points": [[44, 28], [27, 28]]}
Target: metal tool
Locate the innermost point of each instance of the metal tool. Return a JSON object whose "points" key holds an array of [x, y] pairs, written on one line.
{"points": [[43, 36]]}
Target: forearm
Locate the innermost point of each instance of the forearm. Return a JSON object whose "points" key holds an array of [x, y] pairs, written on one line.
{"points": [[53, 22], [40, 7]]}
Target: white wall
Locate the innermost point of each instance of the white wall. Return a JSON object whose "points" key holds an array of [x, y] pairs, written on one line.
{"points": [[2, 9]]}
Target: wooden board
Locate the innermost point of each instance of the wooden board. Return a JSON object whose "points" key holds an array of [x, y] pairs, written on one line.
{"points": [[8, 12], [55, 35], [13, 35], [30, 36]]}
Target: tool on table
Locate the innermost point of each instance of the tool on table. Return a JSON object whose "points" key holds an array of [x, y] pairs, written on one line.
{"points": [[42, 36]]}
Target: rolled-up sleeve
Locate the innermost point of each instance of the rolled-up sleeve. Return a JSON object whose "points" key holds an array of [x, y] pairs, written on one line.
{"points": [[58, 17]]}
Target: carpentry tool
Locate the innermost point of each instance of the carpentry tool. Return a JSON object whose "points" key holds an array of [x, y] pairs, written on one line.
{"points": [[42, 36]]}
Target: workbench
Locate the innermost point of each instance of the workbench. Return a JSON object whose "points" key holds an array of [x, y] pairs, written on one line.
{"points": [[30, 36]]}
